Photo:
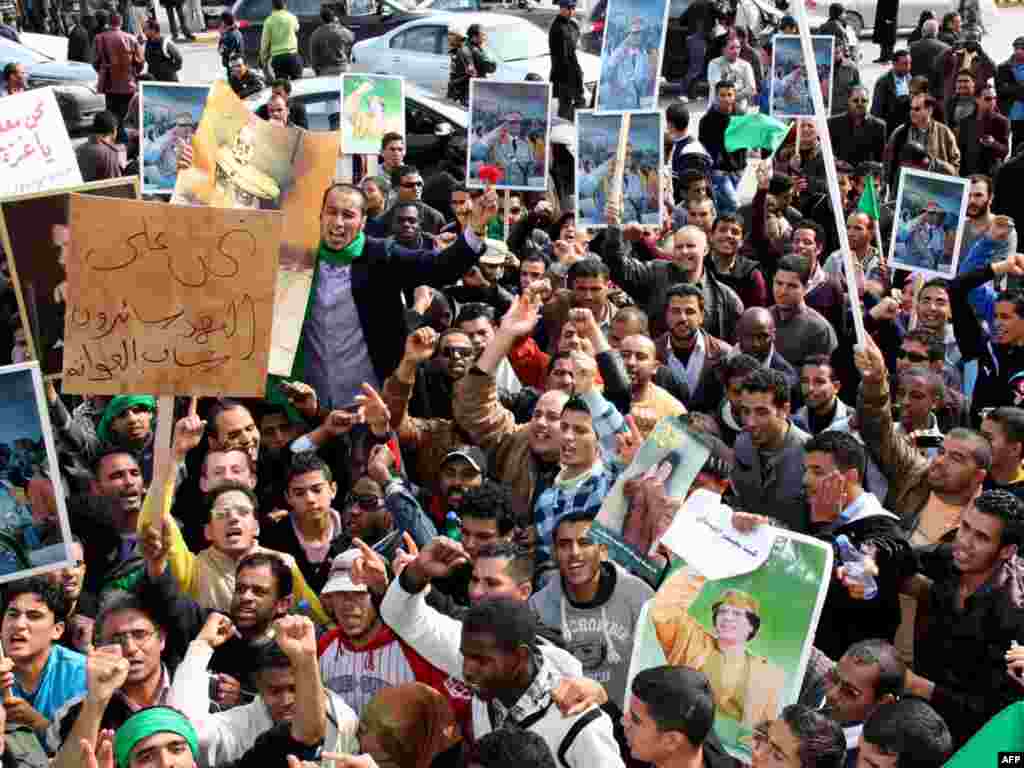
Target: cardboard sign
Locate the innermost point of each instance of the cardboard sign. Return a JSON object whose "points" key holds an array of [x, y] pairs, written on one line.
{"points": [[35, 150], [169, 299]]}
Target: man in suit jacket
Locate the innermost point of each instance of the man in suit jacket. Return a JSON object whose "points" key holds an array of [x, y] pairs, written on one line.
{"points": [[983, 136], [892, 90], [926, 54], [355, 330], [690, 351], [857, 136], [1007, 200]]}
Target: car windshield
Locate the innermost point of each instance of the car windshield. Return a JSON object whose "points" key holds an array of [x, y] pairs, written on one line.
{"points": [[512, 42], [450, 5], [19, 54]]}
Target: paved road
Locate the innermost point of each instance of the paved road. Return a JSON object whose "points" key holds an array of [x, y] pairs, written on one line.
{"points": [[202, 64]]}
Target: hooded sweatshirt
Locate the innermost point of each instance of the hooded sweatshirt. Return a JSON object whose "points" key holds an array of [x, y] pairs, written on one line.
{"points": [[845, 620], [598, 633]]}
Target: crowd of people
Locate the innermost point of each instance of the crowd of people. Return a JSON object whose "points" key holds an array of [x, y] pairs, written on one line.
{"points": [[389, 559]]}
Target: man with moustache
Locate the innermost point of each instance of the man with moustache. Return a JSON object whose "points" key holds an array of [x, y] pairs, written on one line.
{"points": [[690, 351]]}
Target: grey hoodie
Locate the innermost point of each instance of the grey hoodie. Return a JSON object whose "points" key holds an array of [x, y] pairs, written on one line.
{"points": [[599, 634]]}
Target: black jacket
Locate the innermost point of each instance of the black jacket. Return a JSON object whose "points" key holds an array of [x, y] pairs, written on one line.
{"points": [[1009, 180], [996, 362], [844, 620], [712, 135], [857, 145], [280, 536], [460, 70], [163, 60], [925, 59], [885, 104], [963, 651], [566, 73], [79, 44], [1008, 88], [251, 83]]}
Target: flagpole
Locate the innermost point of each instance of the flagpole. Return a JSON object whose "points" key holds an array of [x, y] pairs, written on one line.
{"points": [[821, 118]]}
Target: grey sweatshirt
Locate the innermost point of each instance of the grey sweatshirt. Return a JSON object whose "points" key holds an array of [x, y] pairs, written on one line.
{"points": [[600, 633]]}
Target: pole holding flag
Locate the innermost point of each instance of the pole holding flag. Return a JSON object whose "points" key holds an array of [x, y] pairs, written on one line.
{"points": [[869, 204], [821, 119]]}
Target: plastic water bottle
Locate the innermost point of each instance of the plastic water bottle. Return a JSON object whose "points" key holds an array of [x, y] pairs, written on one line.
{"points": [[853, 562], [453, 526]]}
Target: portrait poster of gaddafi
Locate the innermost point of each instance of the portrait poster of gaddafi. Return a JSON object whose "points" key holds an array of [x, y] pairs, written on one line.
{"points": [[740, 607], [634, 41]]}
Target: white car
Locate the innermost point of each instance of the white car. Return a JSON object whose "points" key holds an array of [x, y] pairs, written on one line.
{"points": [[418, 50]]}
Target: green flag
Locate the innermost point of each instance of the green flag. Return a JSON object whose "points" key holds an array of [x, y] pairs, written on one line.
{"points": [[754, 131], [869, 200], [1003, 733]]}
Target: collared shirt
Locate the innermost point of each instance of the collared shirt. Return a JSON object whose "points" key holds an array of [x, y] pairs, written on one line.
{"points": [[163, 692]]}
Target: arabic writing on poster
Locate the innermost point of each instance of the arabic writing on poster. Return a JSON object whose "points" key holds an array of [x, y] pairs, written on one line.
{"points": [[35, 150], [169, 299]]}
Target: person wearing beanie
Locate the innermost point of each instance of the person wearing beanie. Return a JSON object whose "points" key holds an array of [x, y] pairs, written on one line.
{"points": [[128, 422]]}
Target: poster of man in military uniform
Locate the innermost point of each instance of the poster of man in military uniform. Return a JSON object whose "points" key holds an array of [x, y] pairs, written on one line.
{"points": [[631, 55]]}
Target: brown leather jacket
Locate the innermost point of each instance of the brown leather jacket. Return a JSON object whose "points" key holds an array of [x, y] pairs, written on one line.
{"points": [[119, 59]]}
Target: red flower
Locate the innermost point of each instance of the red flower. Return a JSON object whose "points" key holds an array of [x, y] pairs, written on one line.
{"points": [[491, 174]]}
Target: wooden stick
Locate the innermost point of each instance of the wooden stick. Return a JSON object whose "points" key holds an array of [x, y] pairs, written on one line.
{"points": [[162, 457], [615, 193]]}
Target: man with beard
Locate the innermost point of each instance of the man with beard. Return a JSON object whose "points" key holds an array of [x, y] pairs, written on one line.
{"points": [[292, 699], [972, 585], [979, 224], [819, 385], [731, 267], [769, 471], [648, 281], [641, 360], [690, 351], [128, 423]]}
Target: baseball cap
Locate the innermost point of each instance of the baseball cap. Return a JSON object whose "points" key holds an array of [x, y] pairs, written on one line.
{"points": [[787, 21], [566, 3], [471, 453], [340, 577]]}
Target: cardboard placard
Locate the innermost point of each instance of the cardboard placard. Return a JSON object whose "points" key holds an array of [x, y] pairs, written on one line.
{"points": [[169, 299], [35, 149]]}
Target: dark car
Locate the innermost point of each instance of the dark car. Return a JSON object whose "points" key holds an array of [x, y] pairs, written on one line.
{"points": [[74, 83], [366, 18]]}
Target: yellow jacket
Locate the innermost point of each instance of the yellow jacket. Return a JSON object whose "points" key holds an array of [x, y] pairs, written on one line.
{"points": [[209, 577], [687, 644]]}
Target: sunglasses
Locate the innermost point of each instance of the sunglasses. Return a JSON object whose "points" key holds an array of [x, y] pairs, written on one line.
{"points": [[456, 353], [369, 502], [411, 184]]}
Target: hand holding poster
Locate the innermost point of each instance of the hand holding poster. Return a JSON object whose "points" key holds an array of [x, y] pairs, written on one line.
{"points": [[35, 150], [750, 633], [169, 299]]}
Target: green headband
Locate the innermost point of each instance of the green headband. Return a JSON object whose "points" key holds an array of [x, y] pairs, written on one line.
{"points": [[119, 405], [147, 722]]}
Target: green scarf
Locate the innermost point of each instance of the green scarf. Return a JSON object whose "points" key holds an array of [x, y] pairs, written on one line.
{"points": [[324, 255]]}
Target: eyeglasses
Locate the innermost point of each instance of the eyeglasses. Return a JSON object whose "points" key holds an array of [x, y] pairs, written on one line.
{"points": [[453, 353], [369, 502], [137, 636], [914, 357], [411, 184]]}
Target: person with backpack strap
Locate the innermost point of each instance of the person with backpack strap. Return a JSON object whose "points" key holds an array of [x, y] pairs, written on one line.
{"points": [[163, 59]]}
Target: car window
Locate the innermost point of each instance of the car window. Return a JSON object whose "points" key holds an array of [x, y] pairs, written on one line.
{"points": [[304, 7], [677, 8], [419, 119], [426, 39], [254, 10], [323, 111], [513, 42], [362, 7], [450, 5]]}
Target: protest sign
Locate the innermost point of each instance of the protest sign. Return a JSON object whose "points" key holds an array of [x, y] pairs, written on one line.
{"points": [[34, 531], [170, 113], [36, 238], [35, 149], [750, 633], [631, 53], [509, 127], [596, 140], [642, 504], [169, 299], [931, 211], [241, 161], [372, 105]]}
